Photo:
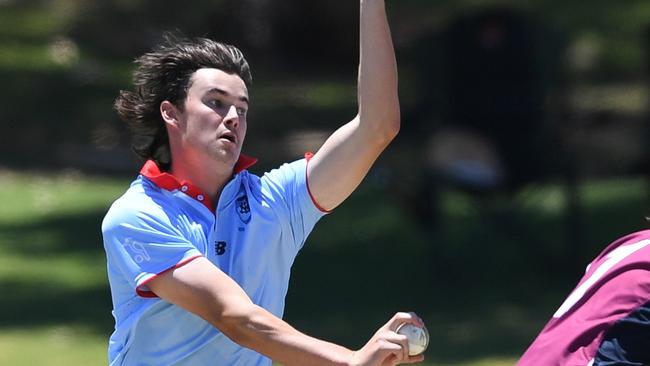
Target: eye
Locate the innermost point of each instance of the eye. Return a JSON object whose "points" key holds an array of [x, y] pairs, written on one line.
{"points": [[241, 111], [216, 103]]}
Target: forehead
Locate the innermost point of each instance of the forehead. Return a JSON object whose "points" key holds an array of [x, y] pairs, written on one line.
{"points": [[208, 79]]}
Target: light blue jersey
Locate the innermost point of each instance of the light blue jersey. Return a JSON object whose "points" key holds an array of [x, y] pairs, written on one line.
{"points": [[259, 225]]}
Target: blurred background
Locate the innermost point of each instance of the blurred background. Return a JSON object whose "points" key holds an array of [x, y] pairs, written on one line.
{"points": [[522, 154]]}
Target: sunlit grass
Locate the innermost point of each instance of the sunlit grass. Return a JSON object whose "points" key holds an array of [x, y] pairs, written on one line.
{"points": [[32, 197], [61, 345], [69, 271], [27, 200]]}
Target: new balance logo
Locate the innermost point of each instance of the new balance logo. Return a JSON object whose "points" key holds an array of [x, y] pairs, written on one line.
{"points": [[220, 247]]}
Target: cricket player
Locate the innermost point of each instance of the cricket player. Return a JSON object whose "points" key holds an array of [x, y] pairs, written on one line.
{"points": [[199, 250], [605, 321]]}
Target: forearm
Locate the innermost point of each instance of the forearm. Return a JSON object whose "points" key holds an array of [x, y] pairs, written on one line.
{"points": [[201, 288], [345, 158], [377, 90], [260, 330]]}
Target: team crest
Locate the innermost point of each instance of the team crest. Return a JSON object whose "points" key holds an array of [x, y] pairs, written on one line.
{"points": [[243, 209]]}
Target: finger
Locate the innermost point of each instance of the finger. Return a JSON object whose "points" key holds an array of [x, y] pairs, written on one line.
{"points": [[391, 352], [393, 361], [415, 320], [403, 341], [414, 359], [398, 340], [418, 321], [398, 319], [403, 317]]}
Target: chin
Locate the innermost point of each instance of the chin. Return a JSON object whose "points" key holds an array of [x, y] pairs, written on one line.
{"points": [[225, 158]]}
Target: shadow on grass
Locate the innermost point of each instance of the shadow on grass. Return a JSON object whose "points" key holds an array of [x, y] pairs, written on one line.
{"points": [[41, 304], [71, 233], [35, 300]]}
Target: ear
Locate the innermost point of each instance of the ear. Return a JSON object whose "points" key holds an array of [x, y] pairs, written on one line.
{"points": [[169, 113]]}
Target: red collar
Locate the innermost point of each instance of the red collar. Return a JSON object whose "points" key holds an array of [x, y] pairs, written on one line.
{"points": [[167, 181]]}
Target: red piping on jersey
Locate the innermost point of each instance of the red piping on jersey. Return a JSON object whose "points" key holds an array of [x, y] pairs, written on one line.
{"points": [[308, 156], [167, 181], [150, 294]]}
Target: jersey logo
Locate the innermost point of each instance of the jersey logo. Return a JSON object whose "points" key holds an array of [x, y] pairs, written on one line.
{"points": [[137, 249], [220, 247], [243, 209]]}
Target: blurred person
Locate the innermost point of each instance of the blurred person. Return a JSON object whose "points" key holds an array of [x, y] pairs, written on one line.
{"points": [[199, 250], [605, 321]]}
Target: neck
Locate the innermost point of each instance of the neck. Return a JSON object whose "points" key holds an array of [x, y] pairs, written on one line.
{"points": [[210, 177]]}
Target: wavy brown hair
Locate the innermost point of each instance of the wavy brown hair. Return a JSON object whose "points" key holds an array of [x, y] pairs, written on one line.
{"points": [[165, 74]]}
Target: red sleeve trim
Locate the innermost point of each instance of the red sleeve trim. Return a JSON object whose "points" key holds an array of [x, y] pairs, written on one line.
{"points": [[150, 294], [308, 156]]}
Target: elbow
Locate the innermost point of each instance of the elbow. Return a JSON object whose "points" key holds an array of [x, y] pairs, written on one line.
{"points": [[383, 125], [382, 128], [388, 128], [394, 125]]}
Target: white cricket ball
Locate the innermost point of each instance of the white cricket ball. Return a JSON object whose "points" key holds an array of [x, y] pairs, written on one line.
{"points": [[418, 337]]}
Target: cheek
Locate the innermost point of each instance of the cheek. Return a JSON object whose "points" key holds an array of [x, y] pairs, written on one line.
{"points": [[202, 121], [244, 128], [198, 129], [194, 127]]}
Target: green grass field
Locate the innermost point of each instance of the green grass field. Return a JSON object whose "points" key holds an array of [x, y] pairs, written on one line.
{"points": [[361, 264], [54, 303]]}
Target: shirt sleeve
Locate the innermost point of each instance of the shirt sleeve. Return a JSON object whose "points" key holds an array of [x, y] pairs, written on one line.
{"points": [[288, 184], [142, 243], [626, 343]]}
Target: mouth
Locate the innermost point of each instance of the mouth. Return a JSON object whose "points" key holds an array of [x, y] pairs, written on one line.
{"points": [[229, 136]]}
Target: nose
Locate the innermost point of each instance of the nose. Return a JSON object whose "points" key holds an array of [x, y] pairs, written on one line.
{"points": [[232, 117]]}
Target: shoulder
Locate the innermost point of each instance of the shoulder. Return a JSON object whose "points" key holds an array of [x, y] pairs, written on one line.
{"points": [[639, 239], [292, 171], [274, 179], [142, 204]]}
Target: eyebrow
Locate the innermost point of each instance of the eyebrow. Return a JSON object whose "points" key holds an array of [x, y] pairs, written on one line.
{"points": [[223, 92]]}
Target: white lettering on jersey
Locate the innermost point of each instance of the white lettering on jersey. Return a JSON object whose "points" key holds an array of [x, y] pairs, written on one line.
{"points": [[612, 259]]}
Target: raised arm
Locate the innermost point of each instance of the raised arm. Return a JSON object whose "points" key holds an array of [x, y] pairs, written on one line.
{"points": [[203, 289], [345, 158]]}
